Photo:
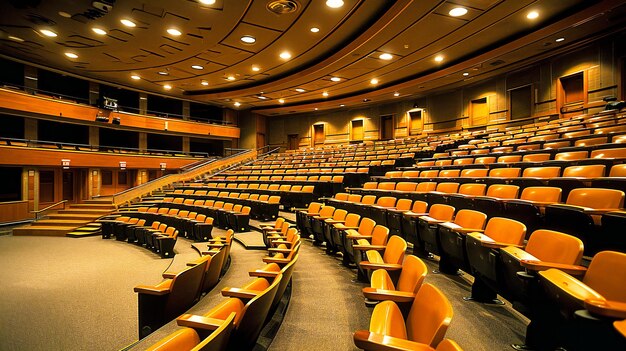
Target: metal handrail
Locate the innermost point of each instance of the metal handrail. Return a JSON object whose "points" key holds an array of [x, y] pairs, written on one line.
{"points": [[37, 212]]}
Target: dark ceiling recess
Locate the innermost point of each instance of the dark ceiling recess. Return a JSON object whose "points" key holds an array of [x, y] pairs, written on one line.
{"points": [[283, 6]]}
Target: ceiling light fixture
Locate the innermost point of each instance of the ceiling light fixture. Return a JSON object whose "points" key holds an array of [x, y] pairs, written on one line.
{"points": [[231, 78], [316, 109], [300, 90], [325, 94], [99, 31], [439, 58], [128, 23], [167, 87], [261, 97], [48, 33], [374, 81], [385, 56], [396, 94], [285, 55], [334, 4], [335, 79], [315, 29], [197, 67], [558, 40], [237, 104], [207, 2], [71, 55], [281, 101], [64, 14], [256, 68], [205, 83], [12, 37], [135, 77], [174, 32], [163, 73], [248, 39], [457, 11], [532, 15], [342, 105]]}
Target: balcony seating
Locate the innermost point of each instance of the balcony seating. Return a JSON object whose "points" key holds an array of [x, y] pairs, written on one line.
{"points": [[206, 335], [448, 239], [437, 214], [425, 324], [163, 302], [580, 215], [391, 259], [382, 286], [337, 232]]}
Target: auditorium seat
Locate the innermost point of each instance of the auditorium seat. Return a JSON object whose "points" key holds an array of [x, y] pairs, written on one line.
{"points": [[576, 177], [536, 176], [382, 286], [580, 215], [390, 260], [265, 228], [251, 305], [271, 270], [338, 232], [338, 217], [314, 228], [302, 215], [469, 190], [368, 233], [393, 216], [164, 243], [437, 214], [611, 236], [282, 234], [447, 239], [161, 303], [615, 180], [483, 255], [205, 335], [425, 324], [377, 211], [529, 208], [282, 254], [202, 229]]}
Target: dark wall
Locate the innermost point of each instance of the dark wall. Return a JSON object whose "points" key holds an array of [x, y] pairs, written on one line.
{"points": [[202, 112], [11, 184], [211, 147], [62, 132], [12, 127], [164, 107], [165, 142], [119, 138], [11, 73], [65, 86]]}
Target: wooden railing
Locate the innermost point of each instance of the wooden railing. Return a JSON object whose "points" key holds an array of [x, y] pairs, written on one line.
{"points": [[39, 212], [159, 183]]}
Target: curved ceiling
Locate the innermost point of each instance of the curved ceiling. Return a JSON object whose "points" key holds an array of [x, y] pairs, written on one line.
{"points": [[197, 49]]}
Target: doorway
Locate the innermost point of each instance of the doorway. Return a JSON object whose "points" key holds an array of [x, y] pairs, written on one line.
{"points": [[479, 112], [356, 131], [68, 186], [319, 136], [292, 142], [386, 127]]}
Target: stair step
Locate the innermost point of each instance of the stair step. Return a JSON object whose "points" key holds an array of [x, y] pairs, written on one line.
{"points": [[99, 201], [80, 234], [76, 216], [61, 222], [99, 212], [93, 206], [42, 230]]}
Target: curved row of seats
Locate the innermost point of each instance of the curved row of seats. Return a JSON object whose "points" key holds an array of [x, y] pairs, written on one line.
{"points": [[160, 303], [237, 321]]}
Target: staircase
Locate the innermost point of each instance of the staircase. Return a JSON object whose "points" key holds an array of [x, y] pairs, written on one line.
{"points": [[62, 222]]}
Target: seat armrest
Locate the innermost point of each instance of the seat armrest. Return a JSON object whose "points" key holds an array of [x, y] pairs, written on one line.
{"points": [[276, 260], [393, 295], [498, 245], [333, 221], [606, 308], [199, 322], [569, 286], [385, 266], [357, 237], [278, 242], [366, 340], [151, 290], [369, 247], [535, 265], [415, 214], [171, 275], [277, 250], [263, 274], [216, 245], [240, 293]]}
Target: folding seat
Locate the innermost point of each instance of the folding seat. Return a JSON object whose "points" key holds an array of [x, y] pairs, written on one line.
{"points": [[492, 204], [465, 191], [403, 189], [438, 196], [447, 239], [219, 215], [282, 255], [303, 215], [409, 281], [438, 213], [337, 232], [161, 303], [536, 176], [164, 243], [371, 259], [362, 207], [560, 314], [393, 216], [580, 215], [149, 233], [472, 174], [315, 225], [239, 220], [120, 227], [421, 189], [378, 211], [425, 325], [202, 228], [502, 175], [269, 209], [271, 270], [251, 305], [530, 206], [576, 177], [130, 230], [202, 336], [273, 234], [365, 229]]}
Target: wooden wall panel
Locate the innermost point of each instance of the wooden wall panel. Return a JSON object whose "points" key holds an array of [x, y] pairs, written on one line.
{"points": [[14, 211]]}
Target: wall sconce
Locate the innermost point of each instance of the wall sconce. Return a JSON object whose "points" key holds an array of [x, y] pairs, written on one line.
{"points": [[122, 165], [65, 163], [166, 125], [163, 165]]}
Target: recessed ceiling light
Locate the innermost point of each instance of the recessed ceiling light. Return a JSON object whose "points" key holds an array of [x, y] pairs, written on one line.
{"points": [[457, 11], [207, 2], [316, 109], [167, 87], [237, 104], [261, 97], [12, 37], [48, 33], [174, 31], [300, 90], [231, 78], [163, 73], [135, 77], [64, 14], [99, 31], [256, 68], [204, 82], [335, 79], [532, 15], [439, 58], [465, 74], [281, 101], [374, 81], [71, 55], [325, 94], [128, 23], [285, 55], [248, 39], [559, 40], [197, 67], [396, 94], [385, 56], [335, 4], [315, 29], [342, 105]]}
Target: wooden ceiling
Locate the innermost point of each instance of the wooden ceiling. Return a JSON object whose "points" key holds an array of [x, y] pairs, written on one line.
{"points": [[492, 37]]}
